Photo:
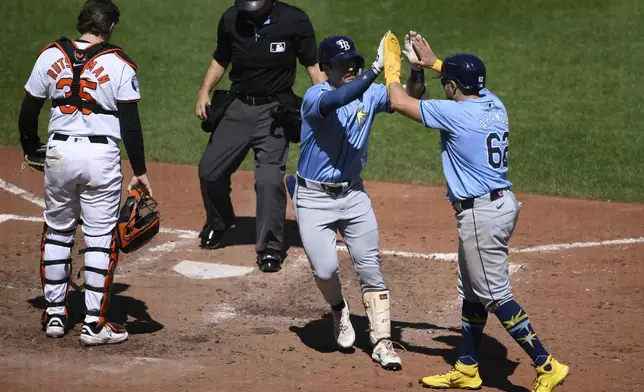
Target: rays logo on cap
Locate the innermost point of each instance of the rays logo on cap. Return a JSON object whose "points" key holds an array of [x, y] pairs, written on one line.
{"points": [[343, 44]]}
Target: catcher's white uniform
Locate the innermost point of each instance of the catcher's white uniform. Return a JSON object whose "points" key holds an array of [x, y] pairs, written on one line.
{"points": [[82, 173], [82, 176]]}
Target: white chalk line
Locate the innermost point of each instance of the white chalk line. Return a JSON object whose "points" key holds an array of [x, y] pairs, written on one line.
{"points": [[192, 234], [23, 194], [170, 246], [557, 247]]}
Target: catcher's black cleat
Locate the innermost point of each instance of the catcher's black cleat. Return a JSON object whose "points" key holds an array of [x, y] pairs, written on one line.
{"points": [[269, 261], [55, 325], [210, 238]]}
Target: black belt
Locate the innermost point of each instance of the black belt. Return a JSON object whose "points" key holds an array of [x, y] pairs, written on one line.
{"points": [[332, 189], [92, 139], [467, 204], [255, 101]]}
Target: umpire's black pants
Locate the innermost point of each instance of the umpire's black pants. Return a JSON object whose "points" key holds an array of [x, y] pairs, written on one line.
{"points": [[242, 127]]}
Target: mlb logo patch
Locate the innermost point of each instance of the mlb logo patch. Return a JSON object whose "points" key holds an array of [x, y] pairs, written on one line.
{"points": [[278, 47]]}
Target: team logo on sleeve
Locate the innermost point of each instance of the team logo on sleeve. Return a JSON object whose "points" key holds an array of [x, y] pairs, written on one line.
{"points": [[135, 83]]}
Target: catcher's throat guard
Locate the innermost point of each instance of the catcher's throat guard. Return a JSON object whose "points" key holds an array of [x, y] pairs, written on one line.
{"points": [[138, 220]]}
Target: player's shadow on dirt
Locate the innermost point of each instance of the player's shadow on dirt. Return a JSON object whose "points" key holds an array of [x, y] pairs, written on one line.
{"points": [[121, 308], [495, 367], [244, 233]]}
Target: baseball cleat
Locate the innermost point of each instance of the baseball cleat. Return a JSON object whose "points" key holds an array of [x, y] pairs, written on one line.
{"points": [[386, 356], [110, 333], [549, 375], [55, 325], [343, 330], [460, 377]]}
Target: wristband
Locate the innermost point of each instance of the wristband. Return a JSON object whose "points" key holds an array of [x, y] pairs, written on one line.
{"points": [[437, 65]]}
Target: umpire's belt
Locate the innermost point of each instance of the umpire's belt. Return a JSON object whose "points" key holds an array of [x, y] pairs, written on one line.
{"points": [[255, 101], [332, 189], [92, 139], [467, 204]]}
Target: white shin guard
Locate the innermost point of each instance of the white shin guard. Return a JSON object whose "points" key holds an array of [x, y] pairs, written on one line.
{"points": [[55, 268], [376, 305]]}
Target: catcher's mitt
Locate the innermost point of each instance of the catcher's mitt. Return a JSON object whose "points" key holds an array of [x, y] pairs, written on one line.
{"points": [[36, 158], [138, 221]]}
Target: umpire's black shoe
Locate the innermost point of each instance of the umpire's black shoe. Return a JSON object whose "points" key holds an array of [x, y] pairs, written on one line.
{"points": [[204, 230], [210, 238], [269, 261]]}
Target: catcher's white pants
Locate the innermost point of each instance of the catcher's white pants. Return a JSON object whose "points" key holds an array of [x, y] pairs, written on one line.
{"points": [[82, 179]]}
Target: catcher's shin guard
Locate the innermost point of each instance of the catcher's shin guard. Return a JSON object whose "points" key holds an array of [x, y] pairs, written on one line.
{"points": [[376, 305], [55, 269], [101, 258]]}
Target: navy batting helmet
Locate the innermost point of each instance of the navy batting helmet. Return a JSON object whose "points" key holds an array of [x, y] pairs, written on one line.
{"points": [[465, 69], [338, 48]]}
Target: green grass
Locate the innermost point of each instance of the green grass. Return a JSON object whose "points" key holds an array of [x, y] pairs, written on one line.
{"points": [[568, 72]]}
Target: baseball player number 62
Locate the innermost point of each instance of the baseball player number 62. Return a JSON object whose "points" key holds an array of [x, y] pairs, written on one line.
{"points": [[497, 155]]}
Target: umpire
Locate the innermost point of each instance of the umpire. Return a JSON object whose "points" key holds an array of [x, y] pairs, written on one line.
{"points": [[261, 39]]}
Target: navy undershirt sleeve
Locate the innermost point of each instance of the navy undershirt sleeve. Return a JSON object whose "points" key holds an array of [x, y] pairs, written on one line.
{"points": [[346, 93]]}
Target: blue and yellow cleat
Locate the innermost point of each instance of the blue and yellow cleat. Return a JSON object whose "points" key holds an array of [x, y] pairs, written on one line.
{"points": [[549, 375], [460, 377]]}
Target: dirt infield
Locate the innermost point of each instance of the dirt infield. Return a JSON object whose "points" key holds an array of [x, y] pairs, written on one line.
{"points": [[262, 332]]}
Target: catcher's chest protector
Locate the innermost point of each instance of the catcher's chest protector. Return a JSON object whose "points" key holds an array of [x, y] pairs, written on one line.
{"points": [[80, 60]]}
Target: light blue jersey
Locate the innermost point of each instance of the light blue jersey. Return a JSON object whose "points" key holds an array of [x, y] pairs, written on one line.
{"points": [[334, 148], [466, 127]]}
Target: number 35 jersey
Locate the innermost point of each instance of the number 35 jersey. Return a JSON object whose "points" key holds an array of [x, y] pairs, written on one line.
{"points": [[105, 81], [474, 143]]}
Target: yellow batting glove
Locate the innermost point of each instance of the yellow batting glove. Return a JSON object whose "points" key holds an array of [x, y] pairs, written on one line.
{"points": [[392, 59]]}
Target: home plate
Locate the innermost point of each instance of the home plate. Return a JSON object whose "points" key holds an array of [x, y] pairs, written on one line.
{"points": [[201, 270]]}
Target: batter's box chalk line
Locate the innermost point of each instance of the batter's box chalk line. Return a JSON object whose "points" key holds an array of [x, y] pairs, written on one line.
{"points": [[192, 234]]}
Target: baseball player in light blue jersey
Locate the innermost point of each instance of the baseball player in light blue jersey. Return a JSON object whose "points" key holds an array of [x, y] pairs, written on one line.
{"points": [[329, 194], [474, 129]]}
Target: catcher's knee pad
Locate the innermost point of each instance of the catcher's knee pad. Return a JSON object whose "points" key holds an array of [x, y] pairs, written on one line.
{"points": [[55, 267], [377, 306], [101, 258]]}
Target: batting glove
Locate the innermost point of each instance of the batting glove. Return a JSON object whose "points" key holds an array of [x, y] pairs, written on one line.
{"points": [[409, 51], [392, 56], [379, 64]]}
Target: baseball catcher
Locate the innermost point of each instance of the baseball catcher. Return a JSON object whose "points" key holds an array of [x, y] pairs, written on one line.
{"points": [[94, 93]]}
